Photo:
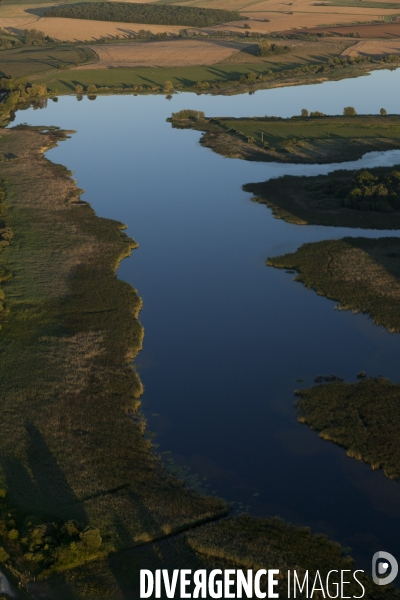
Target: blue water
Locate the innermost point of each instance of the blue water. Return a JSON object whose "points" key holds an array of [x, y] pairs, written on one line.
{"points": [[225, 336]]}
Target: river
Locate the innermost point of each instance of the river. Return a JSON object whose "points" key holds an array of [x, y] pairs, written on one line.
{"points": [[226, 337]]}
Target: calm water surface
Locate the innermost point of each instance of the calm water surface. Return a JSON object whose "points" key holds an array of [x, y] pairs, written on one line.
{"points": [[225, 336]]}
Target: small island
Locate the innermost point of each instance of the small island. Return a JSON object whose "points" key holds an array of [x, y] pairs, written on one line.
{"points": [[361, 274], [314, 139], [362, 417], [366, 198]]}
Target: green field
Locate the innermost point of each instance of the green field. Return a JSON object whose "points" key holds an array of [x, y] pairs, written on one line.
{"points": [[311, 130], [125, 78], [323, 139], [28, 60]]}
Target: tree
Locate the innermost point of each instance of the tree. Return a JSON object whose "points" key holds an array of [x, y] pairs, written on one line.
{"points": [[304, 112], [246, 26], [168, 87], [79, 89], [383, 112], [349, 111], [91, 89]]}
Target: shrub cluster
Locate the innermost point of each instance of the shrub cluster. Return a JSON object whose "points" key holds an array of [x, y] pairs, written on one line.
{"points": [[266, 48], [16, 91], [364, 191], [38, 545], [187, 114]]}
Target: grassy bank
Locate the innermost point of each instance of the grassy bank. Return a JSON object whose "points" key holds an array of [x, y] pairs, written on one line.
{"points": [[320, 139], [362, 275], [217, 79], [336, 199], [362, 417]]}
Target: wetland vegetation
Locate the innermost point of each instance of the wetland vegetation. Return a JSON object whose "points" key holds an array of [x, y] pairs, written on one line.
{"points": [[361, 198], [71, 404], [361, 274], [362, 417]]}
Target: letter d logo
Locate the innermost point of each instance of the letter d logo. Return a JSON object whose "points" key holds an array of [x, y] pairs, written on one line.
{"points": [[387, 564]]}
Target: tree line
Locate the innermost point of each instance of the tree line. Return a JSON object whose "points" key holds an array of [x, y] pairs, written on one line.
{"points": [[156, 14]]}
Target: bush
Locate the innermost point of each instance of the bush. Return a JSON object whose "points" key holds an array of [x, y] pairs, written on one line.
{"points": [[188, 114], [266, 48], [4, 556], [79, 89], [349, 111], [383, 112], [304, 112], [91, 89], [316, 113]]}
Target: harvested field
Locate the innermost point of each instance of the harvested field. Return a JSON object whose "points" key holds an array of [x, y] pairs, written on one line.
{"points": [[373, 48], [80, 29], [375, 30], [173, 53], [287, 22]]}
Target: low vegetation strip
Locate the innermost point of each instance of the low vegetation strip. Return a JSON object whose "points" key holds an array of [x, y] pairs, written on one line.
{"points": [[240, 542], [362, 274], [69, 394], [362, 417], [367, 199], [315, 139], [158, 14]]}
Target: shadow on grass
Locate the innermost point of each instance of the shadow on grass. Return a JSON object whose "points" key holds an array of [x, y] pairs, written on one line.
{"points": [[40, 486]]}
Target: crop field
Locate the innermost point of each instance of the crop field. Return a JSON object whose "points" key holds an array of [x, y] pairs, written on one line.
{"points": [[264, 17], [79, 30], [314, 129], [173, 53], [28, 60], [373, 48]]}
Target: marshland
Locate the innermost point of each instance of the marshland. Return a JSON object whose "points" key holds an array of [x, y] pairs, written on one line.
{"points": [[226, 339]]}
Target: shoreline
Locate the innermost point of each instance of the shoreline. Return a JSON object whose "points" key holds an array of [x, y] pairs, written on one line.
{"points": [[70, 332]]}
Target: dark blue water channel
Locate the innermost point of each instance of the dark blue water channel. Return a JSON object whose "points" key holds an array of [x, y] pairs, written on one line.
{"points": [[225, 336]]}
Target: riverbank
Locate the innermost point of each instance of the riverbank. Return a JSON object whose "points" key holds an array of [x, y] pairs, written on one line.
{"points": [[70, 394], [225, 79], [361, 274], [312, 139]]}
